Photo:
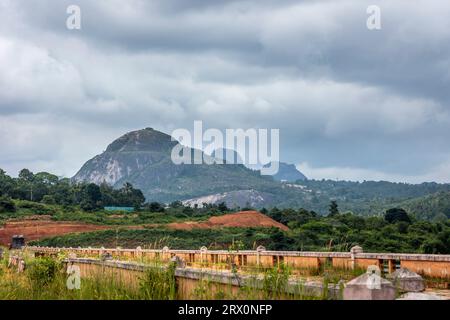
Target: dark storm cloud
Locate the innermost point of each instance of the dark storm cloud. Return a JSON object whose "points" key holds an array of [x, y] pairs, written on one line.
{"points": [[348, 101]]}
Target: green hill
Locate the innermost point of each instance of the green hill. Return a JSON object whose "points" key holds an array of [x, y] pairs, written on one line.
{"points": [[433, 206]]}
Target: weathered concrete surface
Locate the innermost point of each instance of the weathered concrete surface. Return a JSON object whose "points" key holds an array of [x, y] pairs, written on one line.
{"points": [[179, 263], [226, 278], [17, 262], [369, 286], [436, 266], [106, 256], [406, 280], [419, 296]]}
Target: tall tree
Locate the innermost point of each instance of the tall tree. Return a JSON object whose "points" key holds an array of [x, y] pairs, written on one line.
{"points": [[396, 214], [26, 175], [333, 209]]}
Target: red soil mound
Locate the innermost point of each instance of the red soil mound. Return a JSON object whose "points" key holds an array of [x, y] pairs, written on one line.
{"points": [[242, 219], [34, 230]]}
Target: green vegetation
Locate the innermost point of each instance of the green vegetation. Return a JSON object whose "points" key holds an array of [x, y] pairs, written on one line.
{"points": [[396, 231], [435, 206], [275, 282], [45, 279], [308, 232], [173, 213], [159, 283], [368, 198], [48, 189], [391, 219], [45, 194], [424, 201], [42, 272], [162, 181], [160, 237]]}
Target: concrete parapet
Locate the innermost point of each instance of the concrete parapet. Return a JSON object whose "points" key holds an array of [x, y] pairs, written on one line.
{"points": [[293, 286], [437, 266]]}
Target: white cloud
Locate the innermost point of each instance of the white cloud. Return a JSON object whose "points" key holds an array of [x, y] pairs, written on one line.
{"points": [[31, 78], [440, 173], [47, 143], [343, 98]]}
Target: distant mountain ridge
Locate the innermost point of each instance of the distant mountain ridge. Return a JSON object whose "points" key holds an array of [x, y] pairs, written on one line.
{"points": [[143, 158], [288, 172]]}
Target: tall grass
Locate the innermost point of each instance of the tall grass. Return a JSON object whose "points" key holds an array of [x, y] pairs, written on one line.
{"points": [[159, 283], [45, 279]]}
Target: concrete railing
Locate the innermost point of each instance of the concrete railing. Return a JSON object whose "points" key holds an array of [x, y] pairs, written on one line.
{"points": [[189, 280], [426, 264]]}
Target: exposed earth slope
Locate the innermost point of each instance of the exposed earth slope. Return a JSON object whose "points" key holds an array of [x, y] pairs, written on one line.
{"points": [[243, 219], [39, 229]]}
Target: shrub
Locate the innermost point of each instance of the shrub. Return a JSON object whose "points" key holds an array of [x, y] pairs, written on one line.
{"points": [[275, 282], [47, 199], [7, 205], [34, 207], [396, 214], [43, 271], [159, 283]]}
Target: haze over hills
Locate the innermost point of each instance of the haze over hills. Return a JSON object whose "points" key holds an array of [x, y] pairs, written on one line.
{"points": [[143, 158]]}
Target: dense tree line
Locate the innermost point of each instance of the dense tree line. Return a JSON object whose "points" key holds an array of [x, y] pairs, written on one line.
{"points": [[374, 189], [396, 231], [49, 189], [428, 201], [308, 232]]}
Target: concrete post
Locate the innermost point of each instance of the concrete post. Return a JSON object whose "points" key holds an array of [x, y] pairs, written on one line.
{"points": [[258, 255], [391, 266], [138, 253], [203, 251], [353, 253], [101, 251]]}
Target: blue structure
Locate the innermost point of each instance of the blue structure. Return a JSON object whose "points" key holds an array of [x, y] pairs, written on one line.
{"points": [[126, 209]]}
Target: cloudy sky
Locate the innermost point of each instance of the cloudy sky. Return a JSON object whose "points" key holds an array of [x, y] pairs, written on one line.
{"points": [[350, 103]]}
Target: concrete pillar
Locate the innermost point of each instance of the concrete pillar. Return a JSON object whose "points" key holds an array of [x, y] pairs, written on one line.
{"points": [[101, 251], [354, 251], [203, 252], [258, 255], [165, 254], [138, 253], [391, 266]]}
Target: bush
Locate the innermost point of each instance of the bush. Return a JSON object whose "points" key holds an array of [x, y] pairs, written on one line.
{"points": [[396, 214], [34, 207], [7, 205], [47, 199], [43, 271], [159, 283], [156, 207], [433, 246]]}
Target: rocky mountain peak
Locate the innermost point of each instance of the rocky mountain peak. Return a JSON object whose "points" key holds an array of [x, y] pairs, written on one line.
{"points": [[142, 140], [288, 172]]}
